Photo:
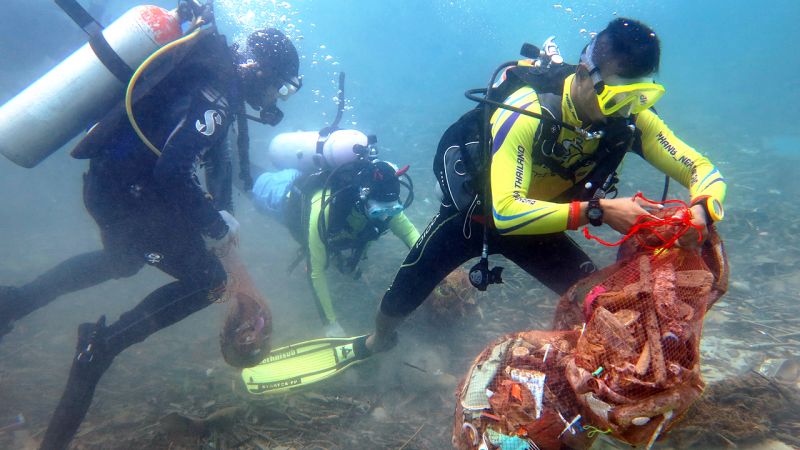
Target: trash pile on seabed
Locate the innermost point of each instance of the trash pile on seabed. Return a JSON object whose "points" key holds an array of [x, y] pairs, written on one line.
{"points": [[245, 337], [626, 362]]}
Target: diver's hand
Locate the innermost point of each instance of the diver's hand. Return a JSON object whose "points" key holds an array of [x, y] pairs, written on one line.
{"points": [[696, 235], [227, 240], [622, 213]]}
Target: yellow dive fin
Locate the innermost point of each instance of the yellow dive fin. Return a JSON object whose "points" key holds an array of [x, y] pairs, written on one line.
{"points": [[298, 365]]}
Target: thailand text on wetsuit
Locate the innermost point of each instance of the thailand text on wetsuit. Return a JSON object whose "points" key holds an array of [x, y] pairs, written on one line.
{"points": [[523, 191]]}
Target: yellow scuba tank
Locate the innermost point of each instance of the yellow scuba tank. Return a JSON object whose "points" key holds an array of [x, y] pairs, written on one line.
{"points": [[81, 89]]}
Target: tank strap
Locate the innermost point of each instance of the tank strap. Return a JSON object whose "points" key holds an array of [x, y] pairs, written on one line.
{"points": [[97, 41], [324, 134]]}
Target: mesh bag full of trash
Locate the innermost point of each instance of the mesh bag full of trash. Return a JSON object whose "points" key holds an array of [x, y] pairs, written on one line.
{"points": [[636, 364], [570, 312], [516, 396], [245, 336]]}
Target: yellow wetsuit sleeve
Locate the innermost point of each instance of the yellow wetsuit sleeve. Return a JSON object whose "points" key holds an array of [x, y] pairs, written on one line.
{"points": [[666, 152], [318, 256], [511, 171], [404, 229]]}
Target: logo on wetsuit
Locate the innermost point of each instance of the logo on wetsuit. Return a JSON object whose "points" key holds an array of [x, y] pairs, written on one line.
{"points": [[212, 118]]}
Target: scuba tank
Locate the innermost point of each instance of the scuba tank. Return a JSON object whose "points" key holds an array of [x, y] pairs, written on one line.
{"points": [[299, 150], [80, 90], [326, 149]]}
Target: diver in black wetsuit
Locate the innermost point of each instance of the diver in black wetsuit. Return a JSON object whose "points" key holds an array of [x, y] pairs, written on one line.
{"points": [[150, 207]]}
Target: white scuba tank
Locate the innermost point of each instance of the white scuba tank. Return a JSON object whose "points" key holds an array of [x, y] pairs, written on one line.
{"points": [[298, 150], [80, 90]]}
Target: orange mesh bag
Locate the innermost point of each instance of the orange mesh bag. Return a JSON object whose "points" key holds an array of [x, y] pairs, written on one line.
{"points": [[569, 310], [712, 253], [636, 365], [516, 395]]}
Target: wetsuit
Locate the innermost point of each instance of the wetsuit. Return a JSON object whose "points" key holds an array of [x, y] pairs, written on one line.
{"points": [[350, 232], [529, 211], [150, 210]]}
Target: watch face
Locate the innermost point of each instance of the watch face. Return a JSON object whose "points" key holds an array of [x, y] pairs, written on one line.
{"points": [[594, 213]]}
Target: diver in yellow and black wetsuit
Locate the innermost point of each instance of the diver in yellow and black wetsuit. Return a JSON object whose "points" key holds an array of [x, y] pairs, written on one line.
{"points": [[336, 223], [352, 224], [534, 183]]}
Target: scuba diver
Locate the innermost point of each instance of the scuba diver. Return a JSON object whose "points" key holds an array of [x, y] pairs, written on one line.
{"points": [[335, 220], [142, 190], [555, 136], [336, 197]]}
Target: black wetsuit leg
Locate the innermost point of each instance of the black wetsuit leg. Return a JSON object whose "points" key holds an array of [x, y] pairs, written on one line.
{"points": [[553, 259], [167, 241], [163, 307], [110, 204], [77, 273], [449, 240]]}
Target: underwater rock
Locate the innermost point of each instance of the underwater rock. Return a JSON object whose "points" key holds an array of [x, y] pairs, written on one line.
{"points": [[380, 414]]}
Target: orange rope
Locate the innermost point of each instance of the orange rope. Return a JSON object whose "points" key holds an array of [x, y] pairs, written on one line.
{"points": [[679, 223]]}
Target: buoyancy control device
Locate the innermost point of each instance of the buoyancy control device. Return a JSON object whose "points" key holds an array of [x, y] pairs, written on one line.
{"points": [[86, 85]]}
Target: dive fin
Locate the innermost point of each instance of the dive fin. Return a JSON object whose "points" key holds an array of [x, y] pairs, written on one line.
{"points": [[299, 365]]}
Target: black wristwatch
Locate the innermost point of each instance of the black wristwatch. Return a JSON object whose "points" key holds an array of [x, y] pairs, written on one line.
{"points": [[594, 212]]}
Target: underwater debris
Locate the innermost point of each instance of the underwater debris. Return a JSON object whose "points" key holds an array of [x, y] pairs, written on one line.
{"points": [[453, 299], [245, 336]]}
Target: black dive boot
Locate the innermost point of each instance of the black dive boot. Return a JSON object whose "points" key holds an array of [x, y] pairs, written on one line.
{"points": [[91, 361], [10, 299]]}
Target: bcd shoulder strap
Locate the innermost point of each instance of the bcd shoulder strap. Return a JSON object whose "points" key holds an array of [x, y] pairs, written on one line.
{"points": [[545, 146]]}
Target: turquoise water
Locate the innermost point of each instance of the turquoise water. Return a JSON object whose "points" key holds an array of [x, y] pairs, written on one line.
{"points": [[731, 73]]}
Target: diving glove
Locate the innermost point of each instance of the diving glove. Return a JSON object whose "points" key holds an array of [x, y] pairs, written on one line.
{"points": [[230, 238]]}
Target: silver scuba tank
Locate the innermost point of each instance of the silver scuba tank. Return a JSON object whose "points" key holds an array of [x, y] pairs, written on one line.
{"points": [[80, 90]]}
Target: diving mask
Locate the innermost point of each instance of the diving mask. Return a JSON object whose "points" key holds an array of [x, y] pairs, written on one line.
{"points": [[618, 95], [289, 87], [626, 96], [383, 210]]}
